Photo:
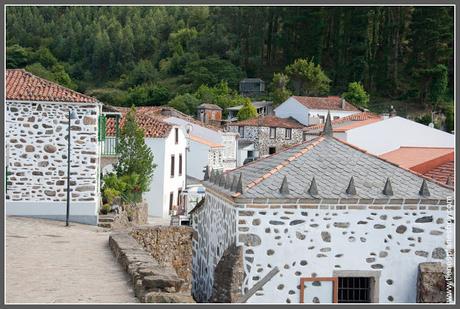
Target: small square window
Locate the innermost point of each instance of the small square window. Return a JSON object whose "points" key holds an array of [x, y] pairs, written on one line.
{"points": [[354, 290]]}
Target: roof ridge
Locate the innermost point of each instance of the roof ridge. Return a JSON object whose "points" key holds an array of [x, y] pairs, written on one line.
{"points": [[392, 163], [276, 169]]}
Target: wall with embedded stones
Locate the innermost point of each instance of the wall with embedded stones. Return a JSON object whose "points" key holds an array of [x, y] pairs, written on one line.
{"points": [[317, 240], [36, 137], [214, 229]]}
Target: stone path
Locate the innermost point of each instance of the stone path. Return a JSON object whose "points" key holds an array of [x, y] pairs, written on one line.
{"points": [[47, 262]]}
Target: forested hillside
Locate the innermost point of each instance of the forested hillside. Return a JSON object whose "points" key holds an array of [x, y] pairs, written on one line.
{"points": [[161, 55]]}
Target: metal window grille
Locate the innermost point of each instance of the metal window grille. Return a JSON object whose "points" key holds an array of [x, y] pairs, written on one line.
{"points": [[354, 290]]}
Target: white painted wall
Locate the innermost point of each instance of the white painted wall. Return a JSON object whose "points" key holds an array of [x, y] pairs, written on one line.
{"points": [[392, 133], [366, 240], [197, 159], [243, 153], [162, 183], [37, 158], [292, 108]]}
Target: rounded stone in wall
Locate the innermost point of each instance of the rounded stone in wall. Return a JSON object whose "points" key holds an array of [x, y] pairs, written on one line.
{"points": [[270, 252]]}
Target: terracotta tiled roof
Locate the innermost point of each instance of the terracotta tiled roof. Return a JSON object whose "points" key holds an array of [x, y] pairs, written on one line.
{"points": [[270, 121], [443, 173], [204, 141], [24, 86], [419, 159], [346, 123], [153, 127], [328, 103]]}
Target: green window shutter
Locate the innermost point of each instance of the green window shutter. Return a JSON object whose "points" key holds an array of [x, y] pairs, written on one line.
{"points": [[101, 128]]}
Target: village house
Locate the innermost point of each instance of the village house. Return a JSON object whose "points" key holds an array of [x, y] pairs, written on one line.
{"points": [[320, 222], [265, 135], [37, 113], [263, 108], [313, 110], [380, 134], [168, 145], [209, 113]]}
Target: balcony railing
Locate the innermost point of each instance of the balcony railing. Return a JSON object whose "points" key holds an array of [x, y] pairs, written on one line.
{"points": [[109, 146]]}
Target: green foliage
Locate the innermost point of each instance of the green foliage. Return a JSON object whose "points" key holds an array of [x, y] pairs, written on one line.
{"points": [[356, 95], [110, 96], [280, 92], [424, 119], [389, 49], [248, 111], [147, 95], [106, 208], [448, 109], [56, 74], [185, 103], [135, 165], [308, 78], [439, 82]]}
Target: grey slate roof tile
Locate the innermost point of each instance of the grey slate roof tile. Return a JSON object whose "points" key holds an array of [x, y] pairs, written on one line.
{"points": [[332, 163]]}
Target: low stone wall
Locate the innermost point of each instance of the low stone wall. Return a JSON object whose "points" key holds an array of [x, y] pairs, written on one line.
{"points": [[431, 283], [153, 282], [138, 216], [170, 246]]}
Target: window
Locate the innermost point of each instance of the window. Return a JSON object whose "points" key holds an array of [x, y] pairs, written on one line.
{"points": [[241, 131], [272, 132], [176, 135], [354, 290], [288, 133], [250, 154], [178, 196], [321, 119], [336, 117], [271, 150], [180, 164], [172, 165], [171, 201]]}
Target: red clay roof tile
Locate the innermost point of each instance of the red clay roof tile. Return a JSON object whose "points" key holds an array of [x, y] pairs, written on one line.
{"points": [[24, 86], [328, 103]]}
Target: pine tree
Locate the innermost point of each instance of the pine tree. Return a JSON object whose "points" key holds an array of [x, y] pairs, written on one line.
{"points": [[136, 158]]}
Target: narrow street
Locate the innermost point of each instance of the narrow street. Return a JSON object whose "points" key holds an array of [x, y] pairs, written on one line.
{"points": [[47, 262]]}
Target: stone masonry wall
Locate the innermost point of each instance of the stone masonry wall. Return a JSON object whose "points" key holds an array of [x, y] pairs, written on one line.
{"points": [[36, 138], [431, 283], [229, 276], [170, 246], [214, 230], [312, 240], [262, 141]]}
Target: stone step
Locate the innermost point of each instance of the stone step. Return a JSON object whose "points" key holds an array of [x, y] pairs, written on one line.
{"points": [[106, 219], [104, 225]]}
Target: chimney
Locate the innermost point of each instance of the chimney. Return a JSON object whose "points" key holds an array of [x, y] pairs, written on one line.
{"points": [[343, 103]]}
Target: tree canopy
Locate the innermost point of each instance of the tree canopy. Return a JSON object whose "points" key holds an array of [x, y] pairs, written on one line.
{"points": [[248, 111], [356, 95], [149, 55]]}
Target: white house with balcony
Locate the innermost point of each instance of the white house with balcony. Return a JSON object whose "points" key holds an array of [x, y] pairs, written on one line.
{"points": [[313, 110]]}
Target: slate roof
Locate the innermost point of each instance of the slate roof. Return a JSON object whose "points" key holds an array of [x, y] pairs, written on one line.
{"points": [[24, 86], [270, 121], [332, 163], [345, 123], [326, 103], [153, 127]]}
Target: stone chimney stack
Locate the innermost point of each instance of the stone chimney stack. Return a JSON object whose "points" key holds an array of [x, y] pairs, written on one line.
{"points": [[343, 103]]}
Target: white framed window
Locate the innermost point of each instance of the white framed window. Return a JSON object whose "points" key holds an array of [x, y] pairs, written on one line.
{"points": [[272, 132], [241, 131], [288, 133]]}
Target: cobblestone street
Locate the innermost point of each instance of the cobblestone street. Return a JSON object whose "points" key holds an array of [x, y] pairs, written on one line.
{"points": [[47, 262]]}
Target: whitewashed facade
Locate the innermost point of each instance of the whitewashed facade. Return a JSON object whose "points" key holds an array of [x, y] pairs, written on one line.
{"points": [[36, 138], [308, 116]]}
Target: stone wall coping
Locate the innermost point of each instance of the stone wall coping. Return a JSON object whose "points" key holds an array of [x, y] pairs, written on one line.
{"points": [[147, 275]]}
